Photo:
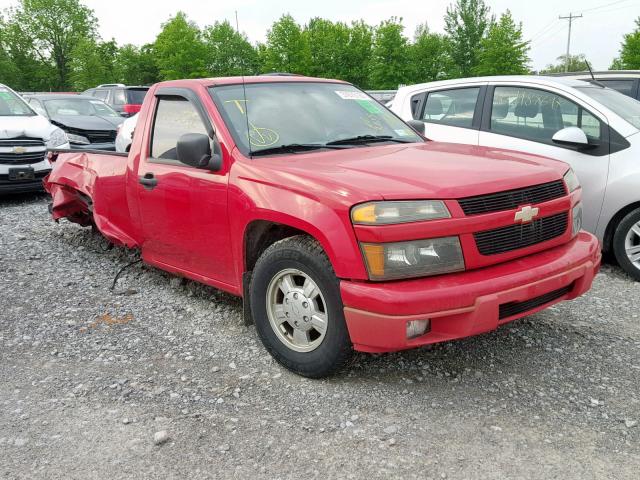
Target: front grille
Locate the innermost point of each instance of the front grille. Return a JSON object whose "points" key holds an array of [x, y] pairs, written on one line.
{"points": [[513, 237], [511, 199], [8, 157], [95, 136], [514, 308]]}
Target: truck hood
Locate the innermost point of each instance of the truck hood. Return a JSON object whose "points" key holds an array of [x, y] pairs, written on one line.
{"points": [[86, 122], [35, 126], [433, 170]]}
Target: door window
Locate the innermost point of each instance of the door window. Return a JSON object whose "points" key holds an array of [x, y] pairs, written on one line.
{"points": [[175, 116], [537, 115], [451, 107]]}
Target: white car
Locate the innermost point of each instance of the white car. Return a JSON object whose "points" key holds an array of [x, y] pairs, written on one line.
{"points": [[593, 129], [125, 134], [24, 139]]}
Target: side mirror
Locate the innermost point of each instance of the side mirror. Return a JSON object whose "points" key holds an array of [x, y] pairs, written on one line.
{"points": [[572, 137], [194, 149], [417, 125]]}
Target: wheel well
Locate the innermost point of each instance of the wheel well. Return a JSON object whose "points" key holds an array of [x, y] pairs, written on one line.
{"points": [[613, 223], [259, 235]]}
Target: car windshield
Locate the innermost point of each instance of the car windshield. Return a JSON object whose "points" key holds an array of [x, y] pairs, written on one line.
{"points": [[624, 106], [78, 106], [309, 114], [11, 105]]}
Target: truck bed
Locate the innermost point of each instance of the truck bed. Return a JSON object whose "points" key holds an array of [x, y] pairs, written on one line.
{"points": [[89, 188]]}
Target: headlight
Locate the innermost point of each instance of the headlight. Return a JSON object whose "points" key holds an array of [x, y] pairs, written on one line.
{"points": [[571, 180], [57, 138], [419, 258], [78, 139], [576, 214], [387, 213]]}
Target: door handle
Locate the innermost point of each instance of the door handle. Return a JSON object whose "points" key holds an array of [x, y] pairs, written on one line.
{"points": [[149, 181]]}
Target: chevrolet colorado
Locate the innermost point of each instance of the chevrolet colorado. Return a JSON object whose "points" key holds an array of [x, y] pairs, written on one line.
{"points": [[341, 227]]}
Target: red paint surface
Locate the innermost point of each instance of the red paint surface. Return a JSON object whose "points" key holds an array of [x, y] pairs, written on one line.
{"points": [[194, 222]]}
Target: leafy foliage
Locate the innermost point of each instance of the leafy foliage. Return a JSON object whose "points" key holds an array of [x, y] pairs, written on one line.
{"points": [[429, 56], [503, 51], [389, 62], [287, 48], [466, 24], [577, 63], [229, 53], [179, 49], [630, 51]]}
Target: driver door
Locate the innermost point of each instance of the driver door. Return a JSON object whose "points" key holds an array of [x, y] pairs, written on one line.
{"points": [[183, 209]]}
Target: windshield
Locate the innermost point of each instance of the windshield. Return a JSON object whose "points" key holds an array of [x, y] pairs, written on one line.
{"points": [[11, 105], [305, 113], [626, 107], [79, 106]]}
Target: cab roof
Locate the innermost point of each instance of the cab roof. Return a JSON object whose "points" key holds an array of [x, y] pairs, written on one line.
{"points": [[209, 82]]}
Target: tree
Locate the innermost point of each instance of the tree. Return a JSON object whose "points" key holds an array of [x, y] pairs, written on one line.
{"points": [[429, 56], [179, 49], [630, 50], [358, 52], [137, 66], [229, 53], [55, 27], [93, 63], [328, 48], [466, 24], [287, 48], [503, 51], [577, 63], [389, 62]]}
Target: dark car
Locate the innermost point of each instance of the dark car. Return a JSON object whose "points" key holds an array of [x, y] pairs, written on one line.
{"points": [[124, 100], [88, 122]]}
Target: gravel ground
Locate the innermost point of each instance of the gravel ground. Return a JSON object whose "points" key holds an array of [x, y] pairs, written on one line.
{"points": [[161, 379]]}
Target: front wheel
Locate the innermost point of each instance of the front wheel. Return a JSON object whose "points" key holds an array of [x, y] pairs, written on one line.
{"points": [[297, 309], [626, 244]]}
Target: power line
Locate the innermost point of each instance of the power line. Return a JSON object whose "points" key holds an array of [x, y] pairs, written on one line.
{"points": [[571, 17], [605, 5]]}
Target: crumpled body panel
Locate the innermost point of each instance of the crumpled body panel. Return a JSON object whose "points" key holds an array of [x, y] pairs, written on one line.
{"points": [[90, 189]]}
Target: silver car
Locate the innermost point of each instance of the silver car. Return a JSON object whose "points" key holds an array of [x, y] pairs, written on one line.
{"points": [[594, 129]]}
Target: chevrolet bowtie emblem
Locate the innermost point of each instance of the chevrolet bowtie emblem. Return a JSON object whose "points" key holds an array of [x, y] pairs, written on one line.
{"points": [[19, 150], [526, 214]]}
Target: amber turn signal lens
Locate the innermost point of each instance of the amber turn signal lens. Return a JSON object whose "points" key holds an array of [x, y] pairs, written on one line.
{"points": [[374, 256]]}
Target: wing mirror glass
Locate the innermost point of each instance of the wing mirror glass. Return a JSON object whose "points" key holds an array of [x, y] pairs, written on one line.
{"points": [[572, 137], [194, 150]]}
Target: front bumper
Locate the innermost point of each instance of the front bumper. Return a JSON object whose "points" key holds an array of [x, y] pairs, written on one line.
{"points": [[468, 303], [23, 186]]}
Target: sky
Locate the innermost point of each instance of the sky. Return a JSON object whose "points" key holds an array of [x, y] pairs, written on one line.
{"points": [[597, 34]]}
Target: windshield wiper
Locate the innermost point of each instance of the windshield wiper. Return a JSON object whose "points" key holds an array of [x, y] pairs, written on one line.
{"points": [[294, 148], [367, 139]]}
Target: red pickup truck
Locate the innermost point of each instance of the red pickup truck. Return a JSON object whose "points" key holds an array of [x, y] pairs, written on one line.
{"points": [[341, 227]]}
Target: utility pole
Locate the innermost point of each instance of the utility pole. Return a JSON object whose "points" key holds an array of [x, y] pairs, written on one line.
{"points": [[571, 17]]}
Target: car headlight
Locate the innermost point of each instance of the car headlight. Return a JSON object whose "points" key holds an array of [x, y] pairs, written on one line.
{"points": [[57, 138], [576, 214], [78, 139], [571, 180], [418, 258], [388, 213]]}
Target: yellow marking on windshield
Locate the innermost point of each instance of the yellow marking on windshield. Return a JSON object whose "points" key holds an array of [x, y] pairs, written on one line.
{"points": [[238, 103]]}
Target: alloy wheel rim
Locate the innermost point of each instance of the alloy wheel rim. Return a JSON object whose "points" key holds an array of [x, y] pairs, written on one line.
{"points": [[632, 245], [297, 311]]}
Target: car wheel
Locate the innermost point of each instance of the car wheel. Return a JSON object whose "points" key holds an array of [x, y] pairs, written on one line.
{"points": [[626, 244], [297, 308]]}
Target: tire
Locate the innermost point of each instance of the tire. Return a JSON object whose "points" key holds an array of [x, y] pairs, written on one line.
{"points": [[319, 345], [626, 244]]}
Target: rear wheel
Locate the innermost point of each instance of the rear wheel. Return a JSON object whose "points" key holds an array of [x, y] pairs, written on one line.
{"points": [[626, 244], [297, 309]]}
